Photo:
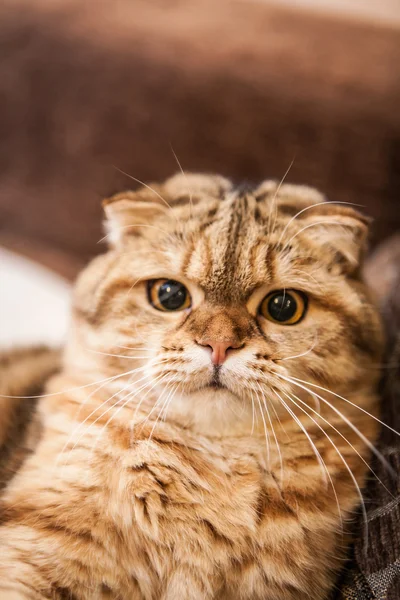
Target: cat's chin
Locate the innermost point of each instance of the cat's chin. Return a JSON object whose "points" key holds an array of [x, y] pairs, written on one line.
{"points": [[212, 410], [215, 385], [211, 393]]}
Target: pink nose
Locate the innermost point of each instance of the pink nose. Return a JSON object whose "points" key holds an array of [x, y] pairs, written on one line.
{"points": [[219, 349]]}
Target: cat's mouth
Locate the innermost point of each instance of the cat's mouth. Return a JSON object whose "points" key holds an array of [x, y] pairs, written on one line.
{"points": [[216, 383]]}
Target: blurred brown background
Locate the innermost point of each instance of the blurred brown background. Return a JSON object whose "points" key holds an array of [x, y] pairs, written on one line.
{"points": [[239, 87]]}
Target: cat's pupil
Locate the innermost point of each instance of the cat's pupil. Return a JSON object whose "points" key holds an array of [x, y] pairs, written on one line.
{"points": [[172, 295], [282, 307]]}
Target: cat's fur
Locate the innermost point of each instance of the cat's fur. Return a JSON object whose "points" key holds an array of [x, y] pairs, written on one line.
{"points": [[209, 493], [22, 377]]}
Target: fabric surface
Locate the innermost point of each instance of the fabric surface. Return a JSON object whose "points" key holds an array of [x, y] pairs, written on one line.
{"points": [[373, 572]]}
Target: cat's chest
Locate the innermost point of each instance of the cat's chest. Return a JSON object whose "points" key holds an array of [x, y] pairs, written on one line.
{"points": [[144, 511], [205, 508], [179, 494]]}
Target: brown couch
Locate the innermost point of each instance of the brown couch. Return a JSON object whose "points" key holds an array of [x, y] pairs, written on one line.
{"points": [[233, 86]]}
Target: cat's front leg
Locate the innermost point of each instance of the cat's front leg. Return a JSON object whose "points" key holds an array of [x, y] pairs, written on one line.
{"points": [[23, 570], [11, 592], [19, 580], [191, 583]]}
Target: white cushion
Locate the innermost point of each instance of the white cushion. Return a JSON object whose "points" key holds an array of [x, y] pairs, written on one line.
{"points": [[34, 303]]}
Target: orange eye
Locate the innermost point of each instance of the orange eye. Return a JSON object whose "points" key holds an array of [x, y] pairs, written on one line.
{"points": [[168, 295], [286, 307]]}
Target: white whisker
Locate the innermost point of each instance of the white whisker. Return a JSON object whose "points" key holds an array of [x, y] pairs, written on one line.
{"points": [[278, 448], [308, 226], [326, 468], [123, 227], [303, 353], [145, 185], [80, 425], [325, 203], [67, 391], [347, 421], [118, 355], [359, 493], [186, 179], [312, 444], [169, 396], [345, 400], [107, 401], [253, 409], [126, 401], [272, 207], [265, 428], [344, 438]]}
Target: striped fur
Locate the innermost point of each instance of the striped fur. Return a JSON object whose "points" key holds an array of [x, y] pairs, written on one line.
{"points": [[148, 483]]}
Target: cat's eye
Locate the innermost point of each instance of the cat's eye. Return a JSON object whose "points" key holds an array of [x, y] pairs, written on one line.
{"points": [[286, 307], [168, 295]]}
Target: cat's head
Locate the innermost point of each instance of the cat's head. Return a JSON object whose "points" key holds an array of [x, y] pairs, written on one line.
{"points": [[214, 299]]}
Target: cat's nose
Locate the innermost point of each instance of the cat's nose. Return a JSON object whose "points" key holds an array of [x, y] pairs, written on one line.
{"points": [[219, 349]]}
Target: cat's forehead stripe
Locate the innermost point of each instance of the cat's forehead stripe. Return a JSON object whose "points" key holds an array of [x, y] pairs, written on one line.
{"points": [[231, 255]]}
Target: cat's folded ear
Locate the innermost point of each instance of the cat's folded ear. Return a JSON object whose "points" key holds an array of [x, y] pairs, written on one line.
{"points": [[338, 229], [128, 212], [335, 227]]}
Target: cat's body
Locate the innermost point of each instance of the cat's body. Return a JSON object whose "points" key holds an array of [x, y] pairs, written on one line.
{"points": [[238, 484]]}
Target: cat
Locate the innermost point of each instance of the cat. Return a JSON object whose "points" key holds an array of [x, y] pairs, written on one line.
{"points": [[209, 430]]}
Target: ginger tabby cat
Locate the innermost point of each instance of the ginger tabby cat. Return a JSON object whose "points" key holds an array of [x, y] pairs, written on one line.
{"points": [[208, 433]]}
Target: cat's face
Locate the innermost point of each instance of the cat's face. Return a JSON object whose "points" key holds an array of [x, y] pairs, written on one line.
{"points": [[218, 302]]}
